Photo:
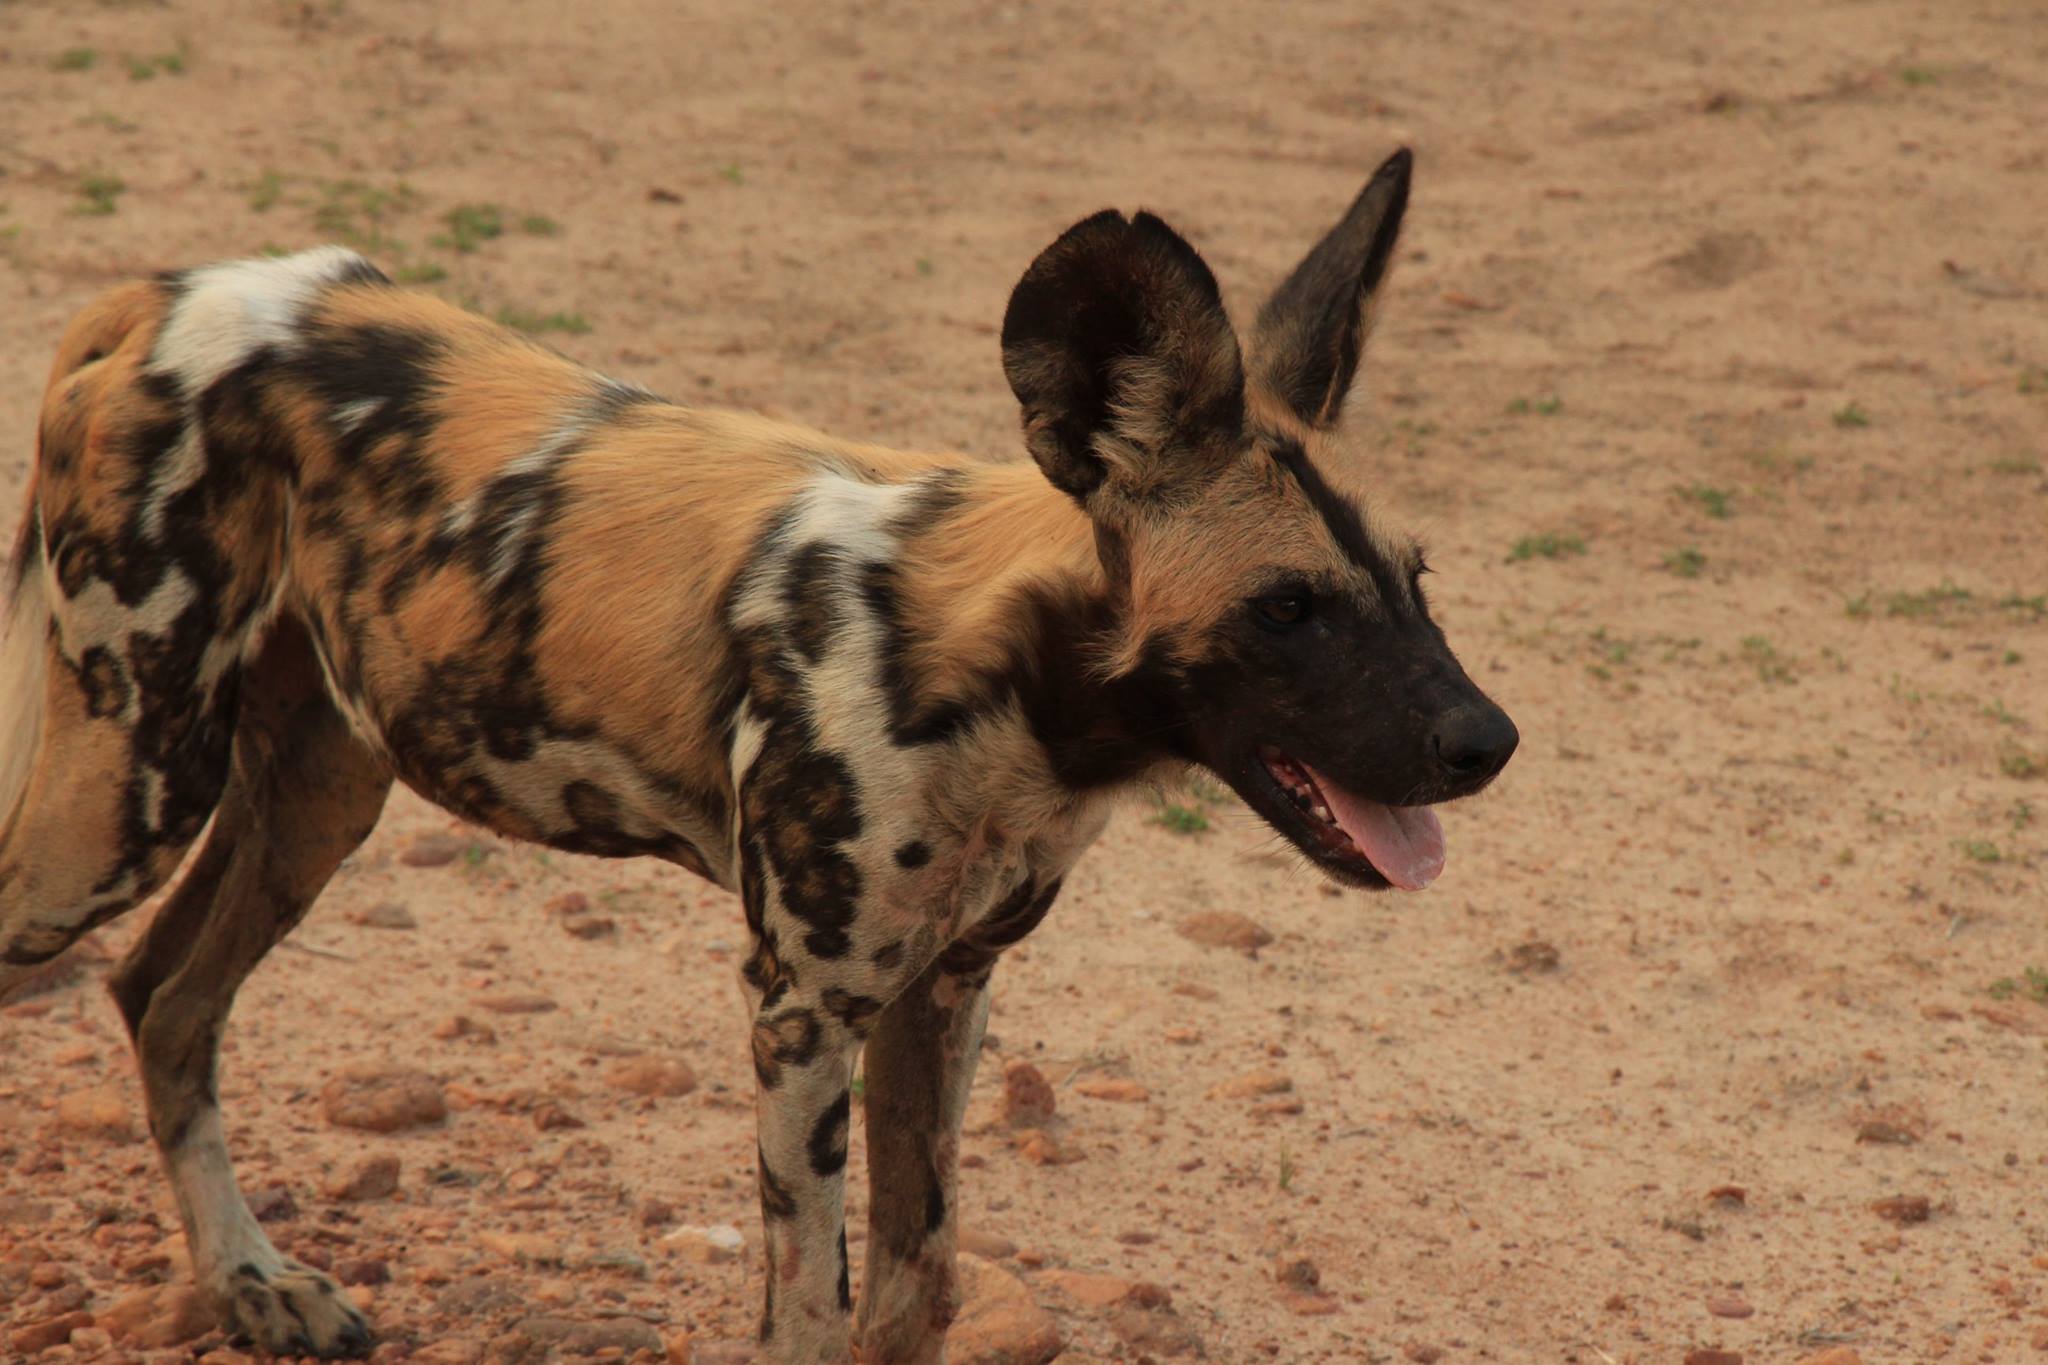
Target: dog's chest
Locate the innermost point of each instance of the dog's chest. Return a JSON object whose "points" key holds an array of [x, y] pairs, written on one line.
{"points": [[859, 814]]}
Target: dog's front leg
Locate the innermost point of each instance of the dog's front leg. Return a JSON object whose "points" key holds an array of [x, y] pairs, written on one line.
{"points": [[803, 1065], [919, 1065]]}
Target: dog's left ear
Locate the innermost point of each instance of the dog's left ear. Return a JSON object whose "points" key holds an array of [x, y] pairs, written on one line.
{"points": [[1311, 333], [1118, 348]]}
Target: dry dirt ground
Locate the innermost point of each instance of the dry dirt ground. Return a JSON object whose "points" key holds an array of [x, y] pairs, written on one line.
{"points": [[1715, 371]]}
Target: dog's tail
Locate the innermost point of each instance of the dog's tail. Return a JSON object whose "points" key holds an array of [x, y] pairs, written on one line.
{"points": [[24, 655], [26, 596]]}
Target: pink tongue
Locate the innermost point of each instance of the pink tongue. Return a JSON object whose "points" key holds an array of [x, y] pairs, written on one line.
{"points": [[1406, 843]]}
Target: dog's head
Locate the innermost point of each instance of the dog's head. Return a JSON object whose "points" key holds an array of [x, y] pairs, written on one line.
{"points": [[1289, 634]]}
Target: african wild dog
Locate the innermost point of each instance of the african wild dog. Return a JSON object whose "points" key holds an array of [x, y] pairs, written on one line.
{"points": [[294, 533]]}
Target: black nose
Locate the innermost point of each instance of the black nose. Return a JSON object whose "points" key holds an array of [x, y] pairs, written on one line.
{"points": [[1475, 742]]}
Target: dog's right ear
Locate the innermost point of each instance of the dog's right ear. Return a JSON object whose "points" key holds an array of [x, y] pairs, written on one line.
{"points": [[1118, 348]]}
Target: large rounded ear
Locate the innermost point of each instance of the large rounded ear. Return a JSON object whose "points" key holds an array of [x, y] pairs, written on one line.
{"points": [[1118, 348], [1310, 334]]}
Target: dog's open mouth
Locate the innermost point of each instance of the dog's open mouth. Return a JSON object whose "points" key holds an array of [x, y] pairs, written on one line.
{"points": [[1404, 844]]}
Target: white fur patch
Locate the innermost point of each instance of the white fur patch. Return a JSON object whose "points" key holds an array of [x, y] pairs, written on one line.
{"points": [[228, 312]]}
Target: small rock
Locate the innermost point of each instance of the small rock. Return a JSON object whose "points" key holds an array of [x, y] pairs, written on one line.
{"points": [[999, 1323], [1251, 1085], [273, 1204], [1296, 1272], [1840, 1355], [48, 1275], [590, 926], [1105, 1291], [1730, 1306], [1903, 1208], [1028, 1100], [1422, 1354], [1224, 929], [1194, 990], [362, 1270], [525, 1248], [1041, 1148], [987, 1245], [1155, 1332], [92, 1343], [1616, 1303], [41, 1336], [373, 1178], [383, 1099], [713, 1245], [384, 915], [1707, 1355], [679, 1352], [1113, 1088], [1308, 1305], [1274, 1109], [462, 1026], [1533, 957], [163, 1316], [434, 850], [1136, 1237], [552, 1117], [516, 1002], [655, 1213], [666, 1077], [77, 1054], [538, 1339], [568, 903], [100, 1112], [1880, 1131], [1728, 1196], [525, 1180], [446, 1352], [1183, 1035]]}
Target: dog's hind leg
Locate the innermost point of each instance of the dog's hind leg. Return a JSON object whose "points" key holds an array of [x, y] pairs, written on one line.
{"points": [[302, 793]]}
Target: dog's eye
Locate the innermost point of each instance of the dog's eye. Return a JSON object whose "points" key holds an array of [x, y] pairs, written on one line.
{"points": [[1283, 609]]}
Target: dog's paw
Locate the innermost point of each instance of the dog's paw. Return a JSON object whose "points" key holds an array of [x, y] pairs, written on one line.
{"points": [[295, 1311]]}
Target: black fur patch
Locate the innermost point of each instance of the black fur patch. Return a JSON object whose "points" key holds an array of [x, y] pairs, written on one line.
{"points": [[776, 1201], [913, 855], [828, 1136]]}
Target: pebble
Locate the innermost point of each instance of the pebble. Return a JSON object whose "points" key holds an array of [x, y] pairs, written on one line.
{"points": [[1183, 1035], [999, 1323], [568, 903], [1251, 1085], [372, 1178], [656, 1077], [1707, 1355], [41, 1336], [1903, 1208], [77, 1054], [1155, 1333], [1041, 1148], [1422, 1353], [433, 850], [1833, 1355], [383, 1099], [273, 1204], [516, 1002], [162, 1316], [560, 1337], [362, 1270], [462, 1026], [1194, 991], [1105, 1291], [1882, 1132], [987, 1245], [1296, 1272], [1113, 1088], [384, 915], [1028, 1100], [714, 1245], [1308, 1305], [48, 1275], [590, 926], [1730, 1306], [99, 1111], [1533, 957], [525, 1248], [447, 1352], [1225, 929], [551, 1117]]}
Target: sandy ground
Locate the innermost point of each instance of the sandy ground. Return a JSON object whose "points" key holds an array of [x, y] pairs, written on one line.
{"points": [[1744, 306]]}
